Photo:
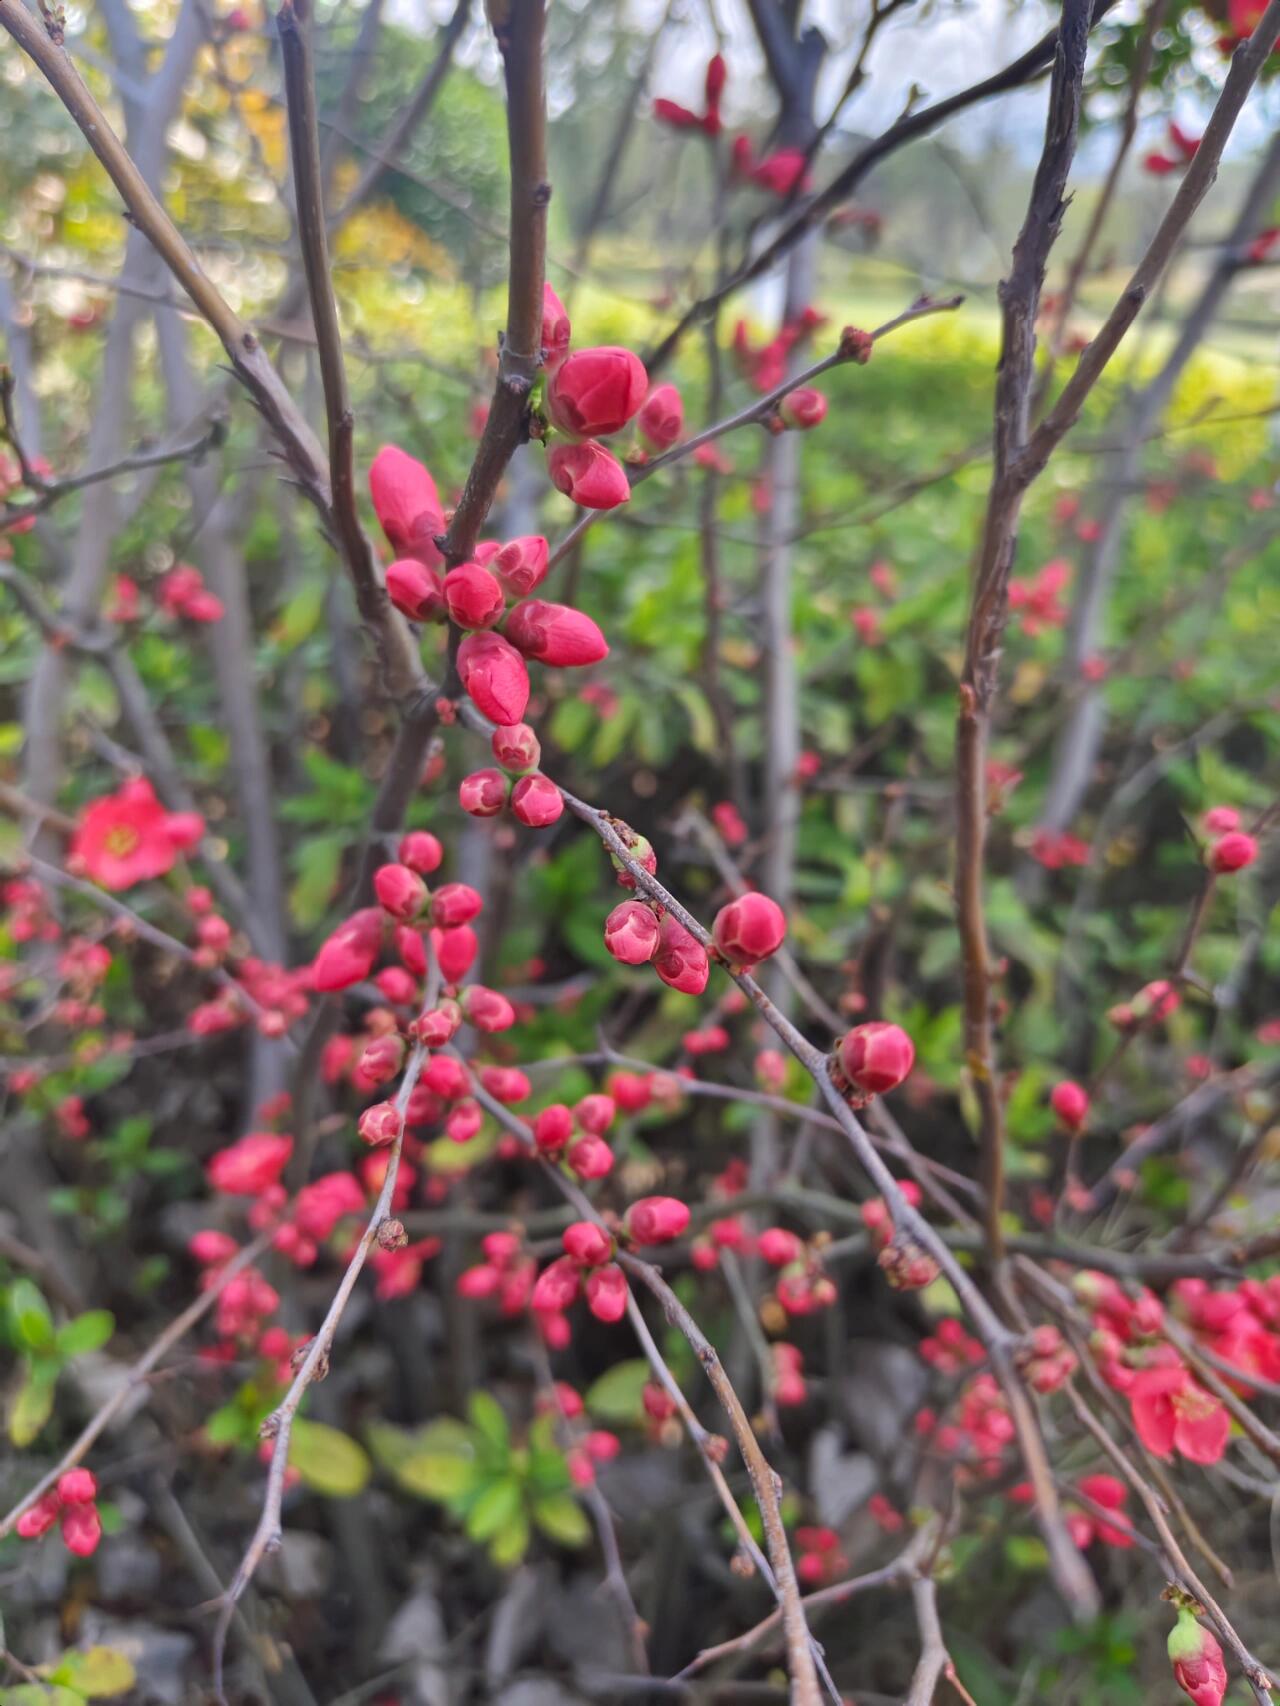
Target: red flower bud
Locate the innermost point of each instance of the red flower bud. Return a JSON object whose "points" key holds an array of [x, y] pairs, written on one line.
{"points": [[554, 634], [486, 1009], [348, 955], [606, 1290], [587, 1243], [251, 1165], [553, 1128], [407, 504], [1219, 820], [453, 904], [590, 1157], [478, 1282], [381, 1060], [521, 564], [536, 801], [678, 117], [876, 1057], [400, 891], [800, 409], [681, 960], [464, 1121], [595, 1113], [779, 1247], [77, 1487], [558, 1284], [447, 1077], [415, 590], [381, 1123], [475, 597], [658, 1403], [656, 1220], [455, 950], [40, 1518], [589, 474], [516, 747], [438, 1026], [420, 851], [749, 929], [81, 1529], [631, 932], [483, 793], [506, 1084], [1198, 1667], [717, 76], [661, 419], [1071, 1104], [596, 391], [556, 330], [1232, 852], [493, 673]]}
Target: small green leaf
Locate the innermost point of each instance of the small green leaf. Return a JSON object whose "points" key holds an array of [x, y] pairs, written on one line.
{"points": [[444, 1477], [490, 1422], [29, 1316], [97, 1673], [87, 1332], [615, 1397], [511, 1542], [562, 1519], [32, 1403], [500, 1503], [327, 1460]]}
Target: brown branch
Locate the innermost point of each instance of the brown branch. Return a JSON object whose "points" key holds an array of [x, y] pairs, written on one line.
{"points": [[1020, 297]]}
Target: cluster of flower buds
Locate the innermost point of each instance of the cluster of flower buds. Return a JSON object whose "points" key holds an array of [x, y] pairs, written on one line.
{"points": [[1057, 850], [783, 172], [1039, 600], [586, 1267], [872, 1059], [531, 798], [70, 1503], [819, 1559], [1046, 1359], [765, 365], [591, 394], [576, 1135], [789, 1389], [708, 120], [183, 595], [1152, 1005], [803, 1286], [904, 1263], [506, 1275], [1084, 1520]]}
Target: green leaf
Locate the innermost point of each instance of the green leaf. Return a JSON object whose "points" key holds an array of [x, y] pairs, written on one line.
{"points": [[87, 1332], [29, 1316], [511, 1543], [299, 618], [615, 1397], [562, 1519], [34, 1694], [97, 1673], [32, 1403], [490, 1423], [327, 1460], [499, 1504], [444, 1477], [230, 1426]]}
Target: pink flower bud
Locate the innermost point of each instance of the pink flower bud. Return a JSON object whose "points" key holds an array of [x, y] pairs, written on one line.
{"points": [[678, 117], [594, 392], [474, 597], [631, 932], [681, 960], [588, 1244], [438, 1026], [494, 675], [40, 1518], [81, 1529], [536, 802], [658, 1403], [420, 851], [401, 892], [415, 590], [444, 1076], [380, 1123], [803, 408], [407, 504], [77, 1487], [506, 1084], [486, 1009], [348, 955], [1198, 1667], [211, 1248], [589, 474], [656, 1220], [381, 1060], [661, 419], [876, 1057], [590, 1157], [1221, 820], [749, 929], [516, 747], [483, 793], [521, 564], [606, 1290], [556, 635], [641, 853], [1232, 852], [251, 1165], [455, 950], [558, 1285], [464, 1121], [453, 904], [479, 1282], [595, 1113], [553, 1128], [631, 1091], [1070, 1102], [398, 985], [717, 76], [779, 1247], [556, 330]]}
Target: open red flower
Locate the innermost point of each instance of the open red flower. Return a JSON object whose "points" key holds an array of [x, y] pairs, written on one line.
{"points": [[1171, 1411], [129, 836]]}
